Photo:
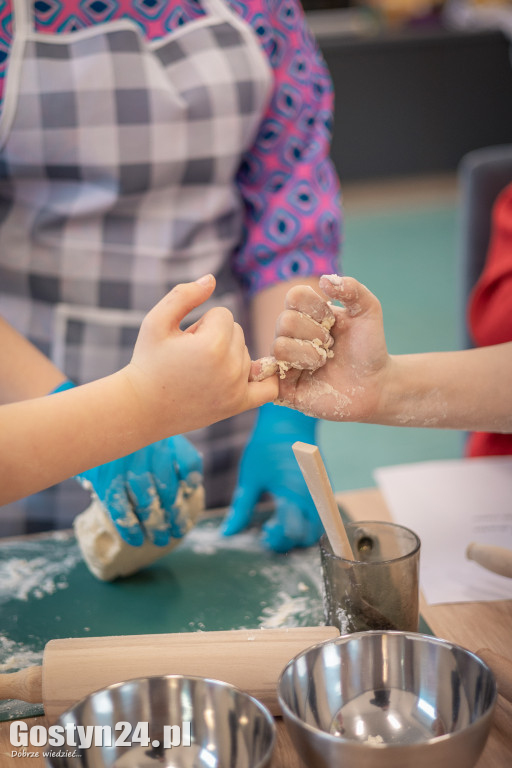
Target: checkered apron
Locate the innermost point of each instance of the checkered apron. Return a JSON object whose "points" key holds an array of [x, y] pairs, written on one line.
{"points": [[117, 165]]}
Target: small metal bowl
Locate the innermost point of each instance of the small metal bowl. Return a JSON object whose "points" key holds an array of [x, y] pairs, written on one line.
{"points": [[227, 726], [388, 699]]}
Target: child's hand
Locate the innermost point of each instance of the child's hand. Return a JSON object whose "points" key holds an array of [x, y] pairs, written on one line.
{"points": [[346, 386], [304, 340], [184, 380]]}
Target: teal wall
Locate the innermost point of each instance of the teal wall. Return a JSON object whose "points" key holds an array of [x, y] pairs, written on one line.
{"points": [[406, 256]]}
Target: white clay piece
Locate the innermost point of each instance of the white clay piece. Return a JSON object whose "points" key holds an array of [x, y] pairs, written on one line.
{"points": [[109, 557]]}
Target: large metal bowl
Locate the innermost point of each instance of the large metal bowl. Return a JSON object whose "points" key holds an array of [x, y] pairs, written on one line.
{"points": [[387, 699], [227, 726]]}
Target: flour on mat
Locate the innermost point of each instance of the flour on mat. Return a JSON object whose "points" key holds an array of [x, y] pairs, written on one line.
{"points": [[206, 539], [23, 576], [298, 591], [283, 612], [294, 579], [14, 655]]}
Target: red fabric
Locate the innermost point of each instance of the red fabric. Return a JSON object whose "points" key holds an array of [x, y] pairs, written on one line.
{"points": [[490, 309]]}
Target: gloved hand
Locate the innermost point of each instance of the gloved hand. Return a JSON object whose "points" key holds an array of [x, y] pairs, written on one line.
{"points": [[269, 465], [139, 490]]}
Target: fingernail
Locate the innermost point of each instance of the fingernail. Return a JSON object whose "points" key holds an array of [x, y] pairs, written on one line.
{"points": [[205, 280]]}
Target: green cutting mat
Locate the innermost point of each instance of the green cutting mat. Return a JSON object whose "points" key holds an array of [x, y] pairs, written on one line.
{"points": [[208, 583]]}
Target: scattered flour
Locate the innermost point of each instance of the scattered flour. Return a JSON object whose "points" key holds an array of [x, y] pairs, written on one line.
{"points": [[18, 710], [297, 587], [344, 621], [24, 577], [14, 655], [294, 580], [283, 612], [206, 539]]}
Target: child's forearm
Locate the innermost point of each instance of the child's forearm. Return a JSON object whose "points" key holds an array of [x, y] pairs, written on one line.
{"points": [[469, 389], [47, 439], [26, 372]]}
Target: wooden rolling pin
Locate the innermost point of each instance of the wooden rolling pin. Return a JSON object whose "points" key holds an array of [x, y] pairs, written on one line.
{"points": [[72, 668]]}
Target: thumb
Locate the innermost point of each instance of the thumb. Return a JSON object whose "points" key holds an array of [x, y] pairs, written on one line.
{"points": [[263, 368], [261, 392], [355, 296], [173, 308]]}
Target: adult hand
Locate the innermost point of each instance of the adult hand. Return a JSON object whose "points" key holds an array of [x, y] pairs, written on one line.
{"points": [[268, 465], [139, 491]]}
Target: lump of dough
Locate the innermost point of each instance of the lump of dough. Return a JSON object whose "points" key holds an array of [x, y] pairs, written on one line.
{"points": [[108, 556], [270, 365]]}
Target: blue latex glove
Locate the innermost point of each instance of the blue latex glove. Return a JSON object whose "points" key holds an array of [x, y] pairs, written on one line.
{"points": [[62, 387], [269, 465], [139, 490]]}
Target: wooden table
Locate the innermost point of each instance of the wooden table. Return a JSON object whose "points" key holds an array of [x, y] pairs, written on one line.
{"points": [[472, 625]]}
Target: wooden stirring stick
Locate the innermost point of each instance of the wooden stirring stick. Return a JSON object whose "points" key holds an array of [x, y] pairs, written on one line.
{"points": [[314, 472]]}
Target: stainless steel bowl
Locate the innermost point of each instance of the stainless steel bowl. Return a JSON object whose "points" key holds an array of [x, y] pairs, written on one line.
{"points": [[227, 726], [387, 699]]}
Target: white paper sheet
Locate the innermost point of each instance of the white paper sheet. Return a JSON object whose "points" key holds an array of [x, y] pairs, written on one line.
{"points": [[449, 504]]}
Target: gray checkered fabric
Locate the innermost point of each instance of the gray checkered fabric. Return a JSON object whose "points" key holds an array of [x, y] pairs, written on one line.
{"points": [[117, 166]]}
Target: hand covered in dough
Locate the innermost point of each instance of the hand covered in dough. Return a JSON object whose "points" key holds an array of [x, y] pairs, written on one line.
{"points": [[303, 340], [347, 385]]}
